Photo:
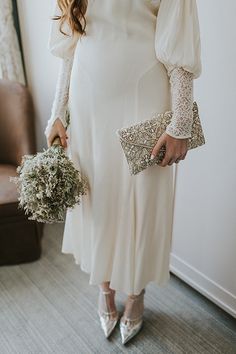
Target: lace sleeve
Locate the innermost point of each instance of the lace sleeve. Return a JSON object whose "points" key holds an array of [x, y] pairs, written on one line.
{"points": [[59, 106], [182, 102]]}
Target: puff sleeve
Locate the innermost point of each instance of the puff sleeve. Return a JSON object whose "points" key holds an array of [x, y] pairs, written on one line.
{"points": [[62, 46], [178, 47]]}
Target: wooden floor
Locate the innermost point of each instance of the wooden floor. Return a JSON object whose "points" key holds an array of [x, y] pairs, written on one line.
{"points": [[48, 306]]}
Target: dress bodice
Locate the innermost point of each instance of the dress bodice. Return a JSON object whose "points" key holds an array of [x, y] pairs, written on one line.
{"points": [[117, 20], [172, 25]]}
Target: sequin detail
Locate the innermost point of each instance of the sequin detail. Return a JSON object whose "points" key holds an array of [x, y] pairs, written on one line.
{"points": [[182, 102]]}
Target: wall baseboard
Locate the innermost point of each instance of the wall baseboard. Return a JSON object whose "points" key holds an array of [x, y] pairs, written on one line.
{"points": [[207, 287]]}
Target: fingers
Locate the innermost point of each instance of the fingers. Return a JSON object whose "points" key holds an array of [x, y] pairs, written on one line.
{"points": [[63, 136], [174, 160], [61, 133], [51, 138], [63, 141], [168, 159], [157, 147], [175, 151], [49, 141]]}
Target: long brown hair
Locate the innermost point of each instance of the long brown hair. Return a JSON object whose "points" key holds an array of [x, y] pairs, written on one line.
{"points": [[73, 11]]}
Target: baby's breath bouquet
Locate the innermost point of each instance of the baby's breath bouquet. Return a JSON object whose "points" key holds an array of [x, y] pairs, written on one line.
{"points": [[48, 184]]}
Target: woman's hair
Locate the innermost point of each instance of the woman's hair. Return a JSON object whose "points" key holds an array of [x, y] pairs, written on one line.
{"points": [[73, 11]]}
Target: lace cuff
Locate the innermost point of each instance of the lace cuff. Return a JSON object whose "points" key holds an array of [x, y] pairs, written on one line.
{"points": [[182, 103], [59, 106]]}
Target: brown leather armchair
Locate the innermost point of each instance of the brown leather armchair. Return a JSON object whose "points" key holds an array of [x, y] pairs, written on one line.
{"points": [[20, 238]]}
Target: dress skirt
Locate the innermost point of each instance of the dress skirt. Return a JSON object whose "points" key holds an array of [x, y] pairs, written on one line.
{"points": [[121, 232]]}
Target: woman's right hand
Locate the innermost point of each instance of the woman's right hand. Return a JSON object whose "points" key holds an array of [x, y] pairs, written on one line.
{"points": [[57, 129]]}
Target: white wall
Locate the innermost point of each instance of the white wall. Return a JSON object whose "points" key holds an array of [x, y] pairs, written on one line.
{"points": [[204, 234], [41, 66]]}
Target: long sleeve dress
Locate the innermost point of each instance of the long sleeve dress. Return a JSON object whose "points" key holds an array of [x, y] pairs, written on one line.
{"points": [[138, 57]]}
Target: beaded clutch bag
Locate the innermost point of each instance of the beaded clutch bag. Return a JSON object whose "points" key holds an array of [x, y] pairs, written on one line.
{"points": [[138, 140]]}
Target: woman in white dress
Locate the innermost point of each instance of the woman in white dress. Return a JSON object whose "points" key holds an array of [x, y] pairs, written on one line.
{"points": [[121, 61]]}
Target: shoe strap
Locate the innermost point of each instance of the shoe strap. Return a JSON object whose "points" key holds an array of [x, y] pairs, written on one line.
{"points": [[136, 297], [132, 320], [106, 292], [108, 313]]}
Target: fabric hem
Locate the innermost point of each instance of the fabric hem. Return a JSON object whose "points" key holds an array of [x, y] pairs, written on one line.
{"points": [[161, 283]]}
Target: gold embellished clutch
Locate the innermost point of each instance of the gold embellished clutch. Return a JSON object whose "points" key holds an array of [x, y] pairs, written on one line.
{"points": [[138, 140]]}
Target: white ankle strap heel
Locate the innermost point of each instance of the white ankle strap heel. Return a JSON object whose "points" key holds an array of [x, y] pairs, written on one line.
{"points": [[107, 321]]}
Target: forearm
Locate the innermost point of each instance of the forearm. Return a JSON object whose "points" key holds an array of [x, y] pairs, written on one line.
{"points": [[60, 101], [182, 102]]}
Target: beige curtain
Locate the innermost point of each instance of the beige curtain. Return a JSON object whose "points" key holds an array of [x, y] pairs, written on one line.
{"points": [[11, 66]]}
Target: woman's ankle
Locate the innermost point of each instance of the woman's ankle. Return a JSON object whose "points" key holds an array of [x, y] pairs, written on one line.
{"points": [[134, 296], [105, 286]]}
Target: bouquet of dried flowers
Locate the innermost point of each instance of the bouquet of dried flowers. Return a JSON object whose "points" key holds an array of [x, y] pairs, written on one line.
{"points": [[48, 184]]}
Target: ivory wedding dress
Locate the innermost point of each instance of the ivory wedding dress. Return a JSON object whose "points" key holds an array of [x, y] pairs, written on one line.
{"points": [[138, 57]]}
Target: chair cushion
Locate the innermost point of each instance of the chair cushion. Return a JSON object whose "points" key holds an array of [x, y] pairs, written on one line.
{"points": [[8, 192]]}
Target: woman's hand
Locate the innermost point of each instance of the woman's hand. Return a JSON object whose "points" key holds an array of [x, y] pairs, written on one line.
{"points": [[176, 149], [57, 129]]}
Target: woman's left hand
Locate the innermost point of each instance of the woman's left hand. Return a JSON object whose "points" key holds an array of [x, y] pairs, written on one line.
{"points": [[176, 149]]}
